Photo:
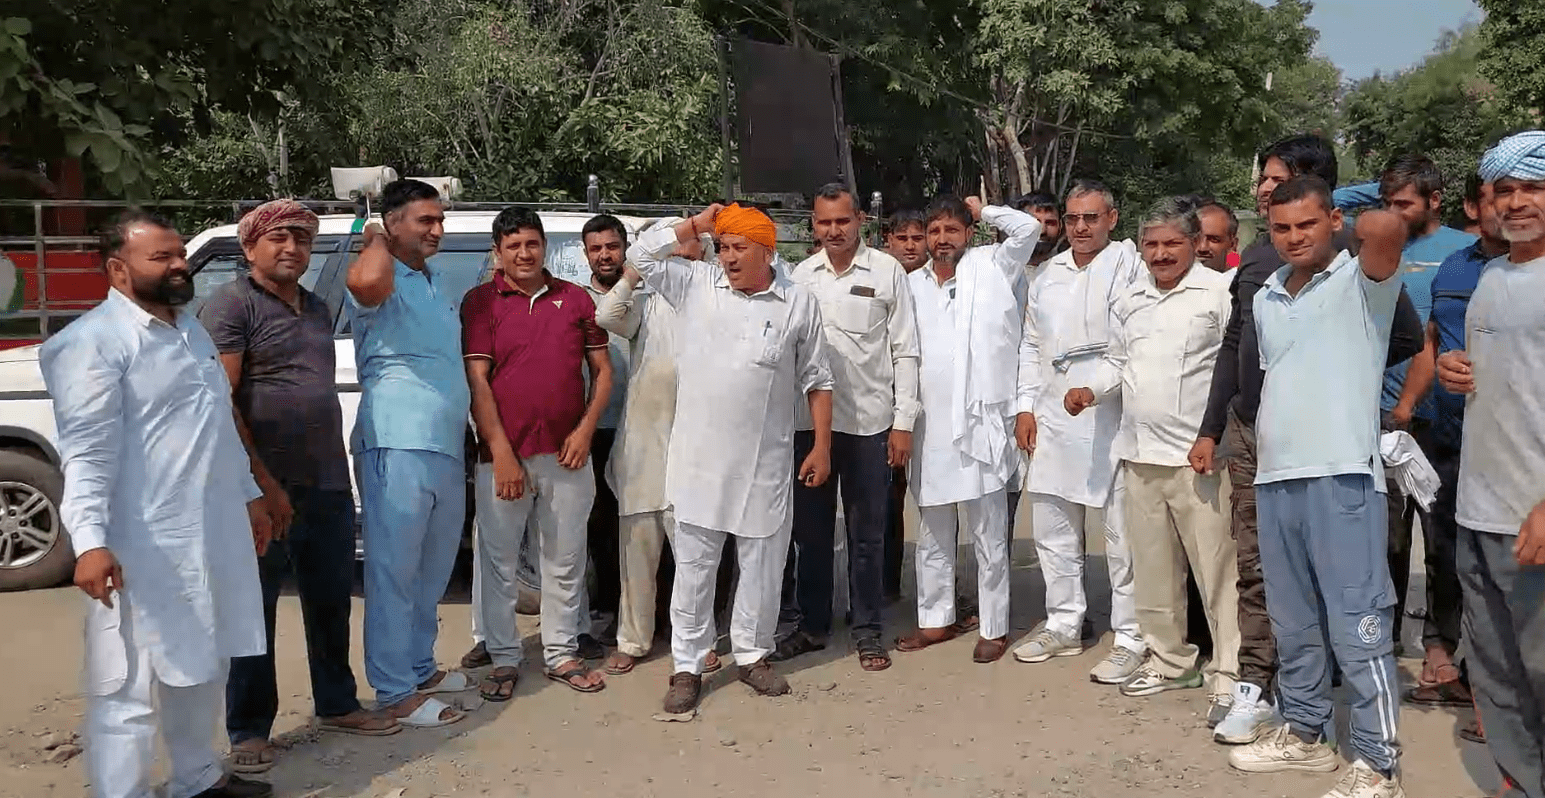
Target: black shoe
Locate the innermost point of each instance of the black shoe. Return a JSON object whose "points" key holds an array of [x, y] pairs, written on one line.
{"points": [[238, 787], [590, 648]]}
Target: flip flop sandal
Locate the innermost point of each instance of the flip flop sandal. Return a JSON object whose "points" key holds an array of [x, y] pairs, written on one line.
{"points": [[614, 666], [872, 656], [452, 682], [917, 641], [969, 624], [714, 663], [478, 657], [566, 678], [1472, 732], [332, 725], [427, 716], [260, 766], [499, 681], [795, 645], [1442, 694]]}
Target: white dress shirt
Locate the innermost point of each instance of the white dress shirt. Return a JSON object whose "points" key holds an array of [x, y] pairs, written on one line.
{"points": [[871, 342], [742, 361], [1067, 331], [1162, 351], [636, 468], [968, 329], [155, 472]]}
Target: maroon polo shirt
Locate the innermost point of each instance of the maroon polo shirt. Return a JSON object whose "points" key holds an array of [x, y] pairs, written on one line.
{"points": [[537, 345]]}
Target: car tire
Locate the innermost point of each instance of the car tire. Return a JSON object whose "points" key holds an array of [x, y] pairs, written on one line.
{"points": [[35, 550]]}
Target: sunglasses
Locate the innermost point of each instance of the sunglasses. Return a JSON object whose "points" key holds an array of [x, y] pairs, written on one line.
{"points": [[1072, 219]]}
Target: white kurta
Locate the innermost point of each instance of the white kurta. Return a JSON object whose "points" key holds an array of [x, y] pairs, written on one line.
{"points": [[742, 362], [155, 472], [636, 468], [969, 333], [1067, 327]]}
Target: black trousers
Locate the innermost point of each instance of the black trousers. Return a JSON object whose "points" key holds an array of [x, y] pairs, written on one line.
{"points": [[319, 551], [603, 537]]}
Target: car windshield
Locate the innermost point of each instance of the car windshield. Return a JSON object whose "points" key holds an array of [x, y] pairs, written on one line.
{"points": [[221, 269]]}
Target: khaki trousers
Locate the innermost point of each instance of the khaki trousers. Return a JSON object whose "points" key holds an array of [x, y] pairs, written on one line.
{"points": [[1175, 517], [643, 537]]}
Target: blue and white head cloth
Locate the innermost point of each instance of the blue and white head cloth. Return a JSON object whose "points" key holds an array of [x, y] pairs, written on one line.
{"points": [[1521, 157]]}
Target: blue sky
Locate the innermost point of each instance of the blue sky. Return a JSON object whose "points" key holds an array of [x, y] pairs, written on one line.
{"points": [[1365, 36]]}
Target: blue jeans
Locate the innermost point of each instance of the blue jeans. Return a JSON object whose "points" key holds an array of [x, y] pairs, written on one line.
{"points": [[319, 550], [1324, 553], [414, 504]]}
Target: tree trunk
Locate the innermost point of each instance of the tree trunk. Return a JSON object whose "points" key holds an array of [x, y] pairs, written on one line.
{"points": [[991, 162], [796, 36]]}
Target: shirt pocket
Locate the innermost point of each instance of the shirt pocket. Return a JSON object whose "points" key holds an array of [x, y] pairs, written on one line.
{"points": [[857, 314], [1203, 333], [767, 346]]}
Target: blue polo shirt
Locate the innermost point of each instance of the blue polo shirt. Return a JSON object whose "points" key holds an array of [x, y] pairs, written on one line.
{"points": [[1323, 352], [1451, 290], [413, 383], [1419, 267]]}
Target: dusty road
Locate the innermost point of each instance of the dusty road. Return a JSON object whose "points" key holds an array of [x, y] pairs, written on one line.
{"points": [[934, 724]]}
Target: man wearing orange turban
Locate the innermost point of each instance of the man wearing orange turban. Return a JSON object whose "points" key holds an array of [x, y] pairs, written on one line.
{"points": [[749, 346]]}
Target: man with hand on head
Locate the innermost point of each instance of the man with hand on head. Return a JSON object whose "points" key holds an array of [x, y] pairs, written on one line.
{"points": [[1323, 528], [275, 339], [1501, 509], [408, 450], [528, 337], [1167, 329], [871, 340], [164, 516], [749, 346], [968, 322]]}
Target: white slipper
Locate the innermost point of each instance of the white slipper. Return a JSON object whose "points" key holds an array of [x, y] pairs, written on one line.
{"points": [[454, 682], [427, 716]]}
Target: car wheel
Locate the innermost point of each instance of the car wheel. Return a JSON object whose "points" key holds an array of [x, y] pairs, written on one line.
{"points": [[34, 548]]}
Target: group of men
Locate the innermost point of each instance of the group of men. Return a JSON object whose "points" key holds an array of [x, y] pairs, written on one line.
{"points": [[203, 462]]}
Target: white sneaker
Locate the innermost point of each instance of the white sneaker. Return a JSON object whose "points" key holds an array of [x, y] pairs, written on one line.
{"points": [[1117, 667], [1249, 717], [1280, 750], [1362, 781], [1148, 681], [1045, 644]]}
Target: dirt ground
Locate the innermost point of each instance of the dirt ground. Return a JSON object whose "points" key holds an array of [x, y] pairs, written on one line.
{"points": [[934, 724]]}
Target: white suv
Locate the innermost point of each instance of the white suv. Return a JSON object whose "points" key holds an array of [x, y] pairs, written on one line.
{"points": [[34, 547]]}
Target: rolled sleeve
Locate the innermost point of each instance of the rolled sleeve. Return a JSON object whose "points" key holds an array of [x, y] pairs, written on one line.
{"points": [[619, 312], [810, 361], [670, 277], [84, 373], [1021, 231]]}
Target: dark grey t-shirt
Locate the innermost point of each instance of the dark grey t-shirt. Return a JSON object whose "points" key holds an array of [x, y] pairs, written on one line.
{"points": [[288, 393]]}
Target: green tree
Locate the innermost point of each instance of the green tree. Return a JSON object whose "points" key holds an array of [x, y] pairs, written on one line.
{"points": [[108, 79], [1443, 108], [1514, 55]]}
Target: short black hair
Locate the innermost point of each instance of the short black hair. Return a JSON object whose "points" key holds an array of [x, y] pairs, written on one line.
{"points": [[1417, 171], [515, 219], [1473, 184], [948, 205], [398, 194], [1206, 203], [598, 224], [1305, 154], [1300, 187], [1035, 201], [902, 219], [835, 191], [116, 233]]}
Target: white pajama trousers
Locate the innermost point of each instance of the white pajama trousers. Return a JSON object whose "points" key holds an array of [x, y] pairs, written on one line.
{"points": [[120, 745], [754, 619], [986, 524], [1058, 525]]}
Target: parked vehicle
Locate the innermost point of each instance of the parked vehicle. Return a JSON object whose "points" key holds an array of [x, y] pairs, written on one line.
{"points": [[34, 546]]}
